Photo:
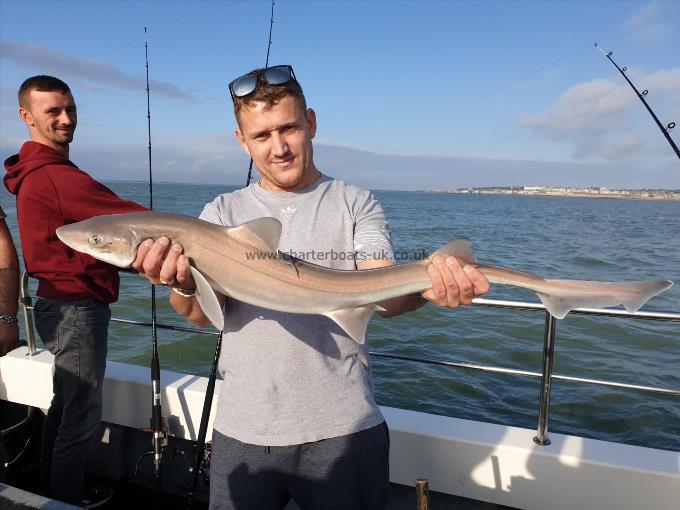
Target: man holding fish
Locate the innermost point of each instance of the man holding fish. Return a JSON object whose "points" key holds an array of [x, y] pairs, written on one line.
{"points": [[297, 416]]}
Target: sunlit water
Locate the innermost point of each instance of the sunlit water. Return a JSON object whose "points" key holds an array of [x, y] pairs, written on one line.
{"points": [[555, 237]]}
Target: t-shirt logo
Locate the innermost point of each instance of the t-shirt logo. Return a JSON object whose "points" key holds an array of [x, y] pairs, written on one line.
{"points": [[288, 210]]}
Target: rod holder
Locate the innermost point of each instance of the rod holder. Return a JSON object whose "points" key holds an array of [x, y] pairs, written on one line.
{"points": [[26, 305], [422, 494]]}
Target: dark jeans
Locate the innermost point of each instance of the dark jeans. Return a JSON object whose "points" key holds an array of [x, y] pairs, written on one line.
{"points": [[341, 473], [76, 333]]}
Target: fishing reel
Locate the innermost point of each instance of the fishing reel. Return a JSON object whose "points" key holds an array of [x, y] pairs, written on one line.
{"points": [[204, 469], [159, 441]]}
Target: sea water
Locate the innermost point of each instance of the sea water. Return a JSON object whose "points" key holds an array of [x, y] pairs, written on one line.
{"points": [[555, 237]]}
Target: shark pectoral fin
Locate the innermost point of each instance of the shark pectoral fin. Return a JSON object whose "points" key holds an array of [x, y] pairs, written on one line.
{"points": [[207, 299], [353, 321]]}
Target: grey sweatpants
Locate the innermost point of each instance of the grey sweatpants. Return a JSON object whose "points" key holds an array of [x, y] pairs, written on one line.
{"points": [[347, 472]]}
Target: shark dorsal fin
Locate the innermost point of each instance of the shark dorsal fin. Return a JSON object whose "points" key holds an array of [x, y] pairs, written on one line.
{"points": [[262, 233], [460, 248]]}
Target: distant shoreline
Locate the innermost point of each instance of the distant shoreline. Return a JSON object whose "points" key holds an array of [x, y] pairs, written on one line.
{"points": [[597, 194], [541, 191]]}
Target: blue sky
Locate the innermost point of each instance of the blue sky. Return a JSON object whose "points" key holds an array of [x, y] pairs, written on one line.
{"points": [[409, 95]]}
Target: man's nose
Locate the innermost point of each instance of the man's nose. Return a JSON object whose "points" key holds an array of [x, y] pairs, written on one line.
{"points": [[279, 145], [65, 118]]}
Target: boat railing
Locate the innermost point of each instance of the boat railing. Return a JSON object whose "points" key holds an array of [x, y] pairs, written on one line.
{"points": [[546, 374]]}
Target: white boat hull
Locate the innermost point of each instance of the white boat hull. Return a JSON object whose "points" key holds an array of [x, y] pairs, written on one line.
{"points": [[476, 460]]}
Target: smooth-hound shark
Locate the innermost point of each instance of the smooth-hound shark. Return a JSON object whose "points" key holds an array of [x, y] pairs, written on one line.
{"points": [[242, 262]]}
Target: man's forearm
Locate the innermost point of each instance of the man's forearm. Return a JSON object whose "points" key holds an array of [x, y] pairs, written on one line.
{"points": [[9, 272], [189, 308], [400, 305], [9, 291]]}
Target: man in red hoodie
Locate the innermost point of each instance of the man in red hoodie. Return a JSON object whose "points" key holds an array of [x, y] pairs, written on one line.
{"points": [[74, 290]]}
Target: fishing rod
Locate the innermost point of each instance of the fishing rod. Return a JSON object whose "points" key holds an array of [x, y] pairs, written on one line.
{"points": [[156, 414], [266, 65], [201, 461], [641, 95]]}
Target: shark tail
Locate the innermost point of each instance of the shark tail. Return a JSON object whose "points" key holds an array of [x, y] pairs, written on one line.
{"points": [[585, 294], [566, 295]]}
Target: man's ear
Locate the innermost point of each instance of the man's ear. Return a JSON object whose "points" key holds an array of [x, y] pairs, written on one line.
{"points": [[311, 119], [26, 116], [241, 140]]}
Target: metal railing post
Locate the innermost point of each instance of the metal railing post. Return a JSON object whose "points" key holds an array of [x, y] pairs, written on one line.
{"points": [[26, 303], [546, 379]]}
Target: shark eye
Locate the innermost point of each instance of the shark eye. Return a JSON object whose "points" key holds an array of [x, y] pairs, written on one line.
{"points": [[95, 239]]}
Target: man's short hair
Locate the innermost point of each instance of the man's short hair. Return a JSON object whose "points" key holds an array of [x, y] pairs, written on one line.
{"points": [[41, 83], [270, 94]]}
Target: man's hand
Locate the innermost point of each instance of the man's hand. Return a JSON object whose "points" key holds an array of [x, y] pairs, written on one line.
{"points": [[452, 284], [164, 264]]}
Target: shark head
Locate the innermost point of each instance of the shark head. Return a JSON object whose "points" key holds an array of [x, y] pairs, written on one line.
{"points": [[111, 238]]}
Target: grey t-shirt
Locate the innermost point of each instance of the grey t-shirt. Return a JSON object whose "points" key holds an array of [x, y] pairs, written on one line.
{"points": [[291, 378], [2, 213]]}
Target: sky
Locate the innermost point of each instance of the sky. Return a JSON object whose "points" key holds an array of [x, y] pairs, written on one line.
{"points": [[408, 94]]}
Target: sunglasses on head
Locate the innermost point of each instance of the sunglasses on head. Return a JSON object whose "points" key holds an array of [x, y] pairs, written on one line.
{"points": [[246, 84]]}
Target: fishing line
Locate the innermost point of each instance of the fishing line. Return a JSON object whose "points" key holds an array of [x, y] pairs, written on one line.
{"points": [[208, 14], [266, 65], [641, 95]]}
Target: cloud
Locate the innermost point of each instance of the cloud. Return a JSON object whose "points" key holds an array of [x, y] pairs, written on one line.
{"points": [[91, 72], [647, 23], [217, 158], [590, 106], [594, 116], [622, 147]]}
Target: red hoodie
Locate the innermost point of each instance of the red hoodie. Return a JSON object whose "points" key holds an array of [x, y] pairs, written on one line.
{"points": [[51, 191]]}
